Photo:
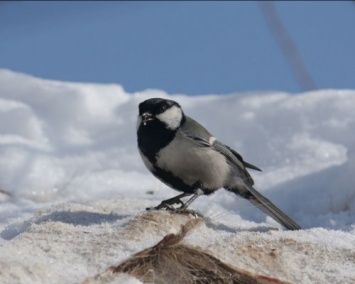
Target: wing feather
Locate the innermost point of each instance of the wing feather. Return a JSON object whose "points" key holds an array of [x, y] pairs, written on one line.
{"points": [[195, 131]]}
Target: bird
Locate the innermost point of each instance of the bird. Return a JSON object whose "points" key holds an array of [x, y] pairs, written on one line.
{"points": [[185, 156]]}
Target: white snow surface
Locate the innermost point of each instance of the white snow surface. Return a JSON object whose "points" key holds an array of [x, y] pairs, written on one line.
{"points": [[68, 158]]}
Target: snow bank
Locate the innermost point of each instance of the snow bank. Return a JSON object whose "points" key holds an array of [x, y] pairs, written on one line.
{"points": [[64, 145], [75, 242]]}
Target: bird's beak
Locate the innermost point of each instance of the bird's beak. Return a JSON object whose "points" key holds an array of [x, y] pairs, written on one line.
{"points": [[147, 116]]}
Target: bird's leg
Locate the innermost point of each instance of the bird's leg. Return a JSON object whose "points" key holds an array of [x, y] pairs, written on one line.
{"points": [[198, 193], [166, 204]]}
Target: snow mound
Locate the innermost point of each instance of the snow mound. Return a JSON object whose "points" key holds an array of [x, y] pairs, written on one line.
{"points": [[71, 180]]}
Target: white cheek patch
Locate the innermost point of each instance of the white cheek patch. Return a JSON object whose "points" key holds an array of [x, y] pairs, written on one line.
{"points": [[171, 117]]}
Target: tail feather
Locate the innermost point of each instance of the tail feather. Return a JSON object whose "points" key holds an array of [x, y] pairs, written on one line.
{"points": [[269, 208]]}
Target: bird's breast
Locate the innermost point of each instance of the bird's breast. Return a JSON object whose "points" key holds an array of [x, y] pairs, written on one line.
{"points": [[194, 163], [152, 138]]}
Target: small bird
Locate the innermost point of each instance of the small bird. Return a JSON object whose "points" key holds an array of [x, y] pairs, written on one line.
{"points": [[184, 155]]}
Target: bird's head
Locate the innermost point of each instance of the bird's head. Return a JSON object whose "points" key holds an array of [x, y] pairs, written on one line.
{"points": [[164, 111]]}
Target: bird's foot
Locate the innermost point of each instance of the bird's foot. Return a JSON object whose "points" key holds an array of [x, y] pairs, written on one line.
{"points": [[161, 206], [168, 205], [180, 210]]}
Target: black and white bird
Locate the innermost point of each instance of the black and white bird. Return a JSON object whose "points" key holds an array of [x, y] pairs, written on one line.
{"points": [[187, 157]]}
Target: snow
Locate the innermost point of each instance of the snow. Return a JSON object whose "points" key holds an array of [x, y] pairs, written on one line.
{"points": [[69, 161]]}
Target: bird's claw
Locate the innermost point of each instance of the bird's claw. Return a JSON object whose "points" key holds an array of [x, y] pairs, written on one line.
{"points": [[162, 206], [168, 205], [180, 210]]}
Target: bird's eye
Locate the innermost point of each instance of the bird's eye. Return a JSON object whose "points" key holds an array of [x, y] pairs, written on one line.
{"points": [[163, 108]]}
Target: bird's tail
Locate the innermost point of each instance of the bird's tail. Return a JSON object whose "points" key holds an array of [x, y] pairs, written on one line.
{"points": [[267, 207]]}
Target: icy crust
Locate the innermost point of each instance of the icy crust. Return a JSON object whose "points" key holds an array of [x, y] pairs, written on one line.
{"points": [[74, 242]]}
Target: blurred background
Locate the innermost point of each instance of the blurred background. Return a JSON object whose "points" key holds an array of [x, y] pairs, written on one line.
{"points": [[185, 47]]}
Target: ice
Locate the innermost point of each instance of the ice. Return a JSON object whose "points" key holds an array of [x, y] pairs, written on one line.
{"points": [[71, 181]]}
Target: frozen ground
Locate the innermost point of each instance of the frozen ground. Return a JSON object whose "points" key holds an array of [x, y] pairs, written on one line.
{"points": [[68, 159]]}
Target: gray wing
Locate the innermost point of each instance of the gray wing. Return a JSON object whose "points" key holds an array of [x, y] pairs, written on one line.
{"points": [[195, 131], [246, 164], [235, 160]]}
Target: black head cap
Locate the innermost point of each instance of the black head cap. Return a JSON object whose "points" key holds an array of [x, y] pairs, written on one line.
{"points": [[156, 106]]}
